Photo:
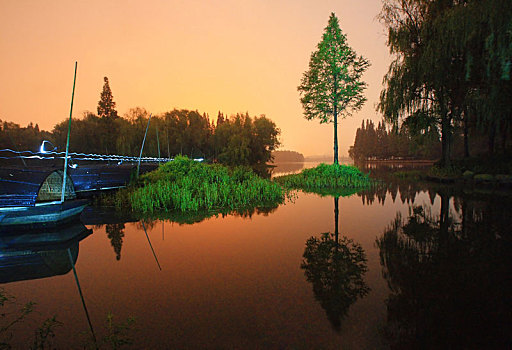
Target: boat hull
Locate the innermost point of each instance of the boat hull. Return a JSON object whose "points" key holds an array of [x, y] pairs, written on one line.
{"points": [[41, 215]]}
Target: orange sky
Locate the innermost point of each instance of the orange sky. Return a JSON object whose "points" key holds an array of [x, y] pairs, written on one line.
{"points": [[229, 55]]}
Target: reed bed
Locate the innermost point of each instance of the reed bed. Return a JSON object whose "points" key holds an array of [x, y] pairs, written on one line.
{"points": [[185, 185], [327, 179]]}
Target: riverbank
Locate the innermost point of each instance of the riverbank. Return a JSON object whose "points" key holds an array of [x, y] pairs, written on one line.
{"points": [[495, 171]]}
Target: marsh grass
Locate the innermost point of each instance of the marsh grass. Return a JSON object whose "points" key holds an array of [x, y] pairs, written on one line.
{"points": [[185, 185], [327, 179]]}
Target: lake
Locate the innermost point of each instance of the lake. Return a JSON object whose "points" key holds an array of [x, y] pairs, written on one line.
{"points": [[403, 265]]}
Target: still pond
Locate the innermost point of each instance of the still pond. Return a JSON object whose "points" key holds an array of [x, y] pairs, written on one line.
{"points": [[404, 265]]}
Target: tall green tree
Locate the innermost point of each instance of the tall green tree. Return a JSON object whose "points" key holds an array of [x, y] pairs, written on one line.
{"points": [[332, 85]]}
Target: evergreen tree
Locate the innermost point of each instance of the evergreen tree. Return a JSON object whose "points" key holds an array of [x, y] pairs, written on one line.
{"points": [[106, 104], [108, 117], [332, 86]]}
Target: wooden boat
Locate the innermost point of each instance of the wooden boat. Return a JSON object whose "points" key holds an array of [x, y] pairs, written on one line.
{"points": [[30, 198]]}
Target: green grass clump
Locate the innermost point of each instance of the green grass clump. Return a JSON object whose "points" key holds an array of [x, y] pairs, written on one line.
{"points": [[185, 185], [327, 179]]}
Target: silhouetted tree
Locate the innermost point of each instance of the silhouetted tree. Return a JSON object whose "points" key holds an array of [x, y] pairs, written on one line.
{"points": [[108, 115], [115, 233], [106, 104]]}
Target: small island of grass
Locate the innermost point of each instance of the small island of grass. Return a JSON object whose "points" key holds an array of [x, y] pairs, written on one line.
{"points": [[334, 179], [185, 185]]}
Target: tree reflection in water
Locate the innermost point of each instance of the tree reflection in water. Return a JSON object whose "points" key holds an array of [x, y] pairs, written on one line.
{"points": [[115, 233], [450, 275], [335, 266]]}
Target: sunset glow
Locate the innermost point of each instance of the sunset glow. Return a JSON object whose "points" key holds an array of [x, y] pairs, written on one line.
{"points": [[230, 56]]}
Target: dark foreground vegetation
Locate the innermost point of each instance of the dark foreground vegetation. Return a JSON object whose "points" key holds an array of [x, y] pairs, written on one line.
{"points": [[13, 315]]}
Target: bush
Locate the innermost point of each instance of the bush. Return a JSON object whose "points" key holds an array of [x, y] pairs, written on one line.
{"points": [[186, 185], [326, 179]]}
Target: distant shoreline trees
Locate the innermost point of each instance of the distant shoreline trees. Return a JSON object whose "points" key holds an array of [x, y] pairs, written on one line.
{"points": [[383, 143], [287, 156], [235, 140]]}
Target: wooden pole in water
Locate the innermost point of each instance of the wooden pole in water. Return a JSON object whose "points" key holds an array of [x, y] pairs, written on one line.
{"points": [[63, 192], [151, 246], [82, 297], [157, 141], [142, 147]]}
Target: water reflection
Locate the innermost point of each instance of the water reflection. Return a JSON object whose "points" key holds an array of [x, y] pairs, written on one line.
{"points": [[115, 233], [335, 267], [40, 254], [450, 274]]}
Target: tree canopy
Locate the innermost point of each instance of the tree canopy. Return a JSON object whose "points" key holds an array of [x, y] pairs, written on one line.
{"points": [[451, 67], [332, 85]]}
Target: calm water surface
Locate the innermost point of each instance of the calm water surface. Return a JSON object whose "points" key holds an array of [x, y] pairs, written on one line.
{"points": [[413, 266]]}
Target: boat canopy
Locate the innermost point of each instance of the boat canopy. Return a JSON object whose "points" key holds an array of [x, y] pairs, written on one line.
{"points": [[27, 186]]}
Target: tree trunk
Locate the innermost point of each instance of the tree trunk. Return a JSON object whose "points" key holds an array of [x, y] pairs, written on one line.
{"points": [[445, 140], [335, 112], [492, 137], [504, 132], [335, 137], [466, 129]]}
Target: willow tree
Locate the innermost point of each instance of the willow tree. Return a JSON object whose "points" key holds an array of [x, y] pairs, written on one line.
{"points": [[425, 79], [332, 85], [452, 59]]}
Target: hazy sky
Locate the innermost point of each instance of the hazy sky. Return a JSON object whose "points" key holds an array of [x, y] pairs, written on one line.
{"points": [[227, 55]]}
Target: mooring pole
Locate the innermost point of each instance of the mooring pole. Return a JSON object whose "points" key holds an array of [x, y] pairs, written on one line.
{"points": [[157, 141], [82, 297], [63, 193], [142, 147], [168, 152], [151, 246]]}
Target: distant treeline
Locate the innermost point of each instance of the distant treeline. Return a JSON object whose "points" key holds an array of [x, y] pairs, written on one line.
{"points": [[287, 156], [235, 140], [17, 138], [408, 142], [384, 143]]}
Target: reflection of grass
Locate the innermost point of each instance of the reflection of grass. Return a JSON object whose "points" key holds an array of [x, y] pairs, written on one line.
{"points": [[332, 179], [184, 185], [192, 217]]}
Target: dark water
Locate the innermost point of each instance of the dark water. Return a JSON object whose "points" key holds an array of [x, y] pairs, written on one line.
{"points": [[409, 265]]}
